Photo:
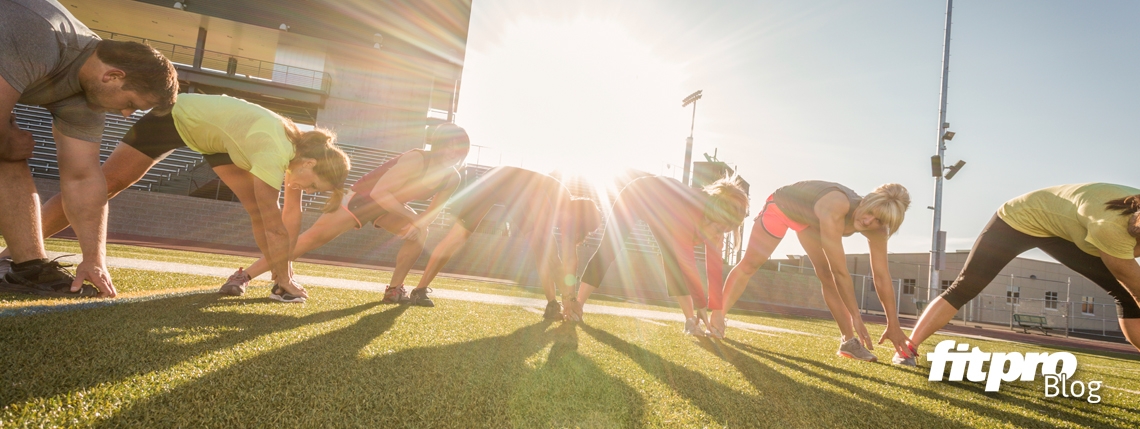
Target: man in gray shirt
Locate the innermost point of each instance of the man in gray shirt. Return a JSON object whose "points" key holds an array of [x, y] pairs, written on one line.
{"points": [[48, 58]]}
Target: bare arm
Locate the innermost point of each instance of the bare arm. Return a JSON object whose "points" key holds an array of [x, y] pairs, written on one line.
{"points": [[877, 240], [714, 269], [84, 192], [291, 217], [15, 144], [832, 212], [278, 251], [437, 202], [401, 174]]}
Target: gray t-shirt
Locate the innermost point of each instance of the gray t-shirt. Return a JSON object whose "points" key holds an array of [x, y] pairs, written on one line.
{"points": [[42, 47]]}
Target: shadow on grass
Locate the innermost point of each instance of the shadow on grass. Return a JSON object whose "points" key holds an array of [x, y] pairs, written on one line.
{"points": [[1013, 395], [782, 401], [348, 377], [49, 354]]}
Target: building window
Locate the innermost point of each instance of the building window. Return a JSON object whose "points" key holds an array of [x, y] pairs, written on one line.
{"points": [[1087, 305], [1012, 294], [1051, 300], [908, 286]]}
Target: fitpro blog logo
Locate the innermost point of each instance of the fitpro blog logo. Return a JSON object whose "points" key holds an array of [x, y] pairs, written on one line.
{"points": [[1057, 368]]}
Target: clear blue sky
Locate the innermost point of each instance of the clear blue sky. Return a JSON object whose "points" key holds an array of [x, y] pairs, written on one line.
{"points": [[1041, 93]]}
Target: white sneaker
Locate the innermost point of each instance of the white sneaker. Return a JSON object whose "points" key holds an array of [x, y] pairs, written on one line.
{"points": [[854, 349], [899, 360], [693, 327]]}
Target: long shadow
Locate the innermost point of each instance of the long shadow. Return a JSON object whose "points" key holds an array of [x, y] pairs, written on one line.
{"points": [[1011, 394], [782, 401], [347, 378], [46, 355]]}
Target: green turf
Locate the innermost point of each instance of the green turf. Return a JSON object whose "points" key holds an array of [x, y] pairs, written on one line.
{"points": [[345, 360]]}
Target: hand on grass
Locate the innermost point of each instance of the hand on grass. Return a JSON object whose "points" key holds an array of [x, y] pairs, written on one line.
{"points": [[571, 309], [703, 316], [717, 321], [294, 288], [96, 274], [899, 339]]}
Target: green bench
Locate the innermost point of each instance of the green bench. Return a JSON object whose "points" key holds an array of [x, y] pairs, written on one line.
{"points": [[1025, 322]]}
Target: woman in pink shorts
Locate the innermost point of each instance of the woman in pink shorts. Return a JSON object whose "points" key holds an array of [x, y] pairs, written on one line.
{"points": [[822, 213]]}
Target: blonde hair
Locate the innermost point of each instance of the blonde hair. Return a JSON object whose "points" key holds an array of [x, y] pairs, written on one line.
{"points": [[332, 164], [728, 203], [888, 204]]}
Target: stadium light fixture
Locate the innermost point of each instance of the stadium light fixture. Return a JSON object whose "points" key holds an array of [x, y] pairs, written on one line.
{"points": [[181, 5], [953, 169], [949, 135], [936, 166]]}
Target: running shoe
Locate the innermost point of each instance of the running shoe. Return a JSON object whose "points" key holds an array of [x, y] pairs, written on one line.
{"points": [[714, 331], [854, 349], [553, 311], [235, 286], [45, 278], [907, 361], [693, 327], [5, 266], [395, 295], [419, 297], [279, 294]]}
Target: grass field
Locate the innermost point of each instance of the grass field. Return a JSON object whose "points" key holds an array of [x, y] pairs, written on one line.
{"points": [[171, 357]]}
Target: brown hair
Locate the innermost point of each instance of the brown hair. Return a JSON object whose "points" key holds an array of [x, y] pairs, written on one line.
{"points": [[728, 203], [447, 136], [145, 70], [1128, 206], [332, 164], [888, 203], [584, 217]]}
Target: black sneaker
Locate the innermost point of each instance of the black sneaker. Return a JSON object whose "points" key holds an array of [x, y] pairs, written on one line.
{"points": [[419, 297], [5, 266], [553, 311], [44, 278], [279, 294]]}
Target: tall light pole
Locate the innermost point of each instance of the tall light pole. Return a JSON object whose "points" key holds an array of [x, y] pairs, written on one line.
{"points": [[691, 99], [937, 247]]}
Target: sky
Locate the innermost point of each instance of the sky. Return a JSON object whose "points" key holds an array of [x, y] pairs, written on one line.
{"points": [[1040, 94]]}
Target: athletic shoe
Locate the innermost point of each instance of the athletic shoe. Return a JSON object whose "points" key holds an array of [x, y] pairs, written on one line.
{"points": [[693, 327], [395, 295], [715, 332], [44, 278], [553, 311], [419, 297], [899, 360], [5, 266], [279, 294], [854, 349], [235, 286]]}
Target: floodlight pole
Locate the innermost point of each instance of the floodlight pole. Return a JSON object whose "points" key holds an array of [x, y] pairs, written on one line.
{"points": [[937, 248], [691, 99]]}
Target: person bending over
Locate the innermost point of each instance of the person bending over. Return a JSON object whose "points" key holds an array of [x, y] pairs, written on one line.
{"points": [[1092, 228], [822, 213], [50, 59], [381, 197], [253, 150], [533, 205], [679, 218]]}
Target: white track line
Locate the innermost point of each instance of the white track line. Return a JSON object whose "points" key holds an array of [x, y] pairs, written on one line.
{"points": [[171, 267]]}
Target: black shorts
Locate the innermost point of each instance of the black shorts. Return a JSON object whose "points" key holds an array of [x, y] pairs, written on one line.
{"points": [[156, 136]]}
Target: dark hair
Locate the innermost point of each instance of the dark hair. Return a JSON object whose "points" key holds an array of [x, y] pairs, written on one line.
{"points": [[585, 217], [332, 163], [145, 70], [447, 136], [1128, 206]]}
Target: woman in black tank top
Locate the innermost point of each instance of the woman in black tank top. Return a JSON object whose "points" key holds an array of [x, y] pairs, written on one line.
{"points": [[384, 204], [822, 213]]}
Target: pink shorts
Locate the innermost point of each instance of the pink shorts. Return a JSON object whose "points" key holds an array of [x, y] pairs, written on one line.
{"points": [[775, 222]]}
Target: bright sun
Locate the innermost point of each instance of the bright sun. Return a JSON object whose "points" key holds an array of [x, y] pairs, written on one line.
{"points": [[582, 96]]}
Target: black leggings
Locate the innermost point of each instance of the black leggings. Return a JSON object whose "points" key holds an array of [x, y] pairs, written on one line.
{"points": [[999, 243]]}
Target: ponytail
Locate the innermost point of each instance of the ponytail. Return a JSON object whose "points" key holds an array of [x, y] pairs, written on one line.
{"points": [[332, 164], [1128, 206]]}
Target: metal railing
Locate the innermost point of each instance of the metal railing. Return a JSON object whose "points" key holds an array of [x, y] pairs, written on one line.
{"points": [[233, 65]]}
